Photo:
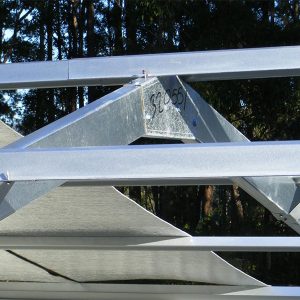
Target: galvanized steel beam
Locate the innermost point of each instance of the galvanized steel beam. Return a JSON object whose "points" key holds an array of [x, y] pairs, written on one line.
{"points": [[119, 165], [174, 182], [159, 243], [119, 70]]}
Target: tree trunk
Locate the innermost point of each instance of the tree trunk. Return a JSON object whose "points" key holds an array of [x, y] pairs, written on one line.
{"points": [[296, 10], [40, 110], [135, 193], [49, 26], [117, 26], [42, 32], [74, 28], [155, 195], [91, 47], [207, 195], [237, 202], [58, 30], [109, 28], [49, 30], [72, 34], [237, 211], [131, 27], [80, 48]]}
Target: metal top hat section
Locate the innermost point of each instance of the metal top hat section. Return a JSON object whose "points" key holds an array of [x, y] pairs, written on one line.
{"points": [[119, 70]]}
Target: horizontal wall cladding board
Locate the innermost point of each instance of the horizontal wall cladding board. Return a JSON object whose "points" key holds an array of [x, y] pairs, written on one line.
{"points": [[83, 265], [13, 268], [87, 210]]}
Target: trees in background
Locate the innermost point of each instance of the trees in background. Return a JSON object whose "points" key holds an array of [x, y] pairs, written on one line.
{"points": [[264, 109]]}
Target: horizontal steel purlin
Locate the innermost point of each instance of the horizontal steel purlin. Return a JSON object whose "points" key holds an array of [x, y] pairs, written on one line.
{"points": [[131, 164], [162, 243], [119, 70]]}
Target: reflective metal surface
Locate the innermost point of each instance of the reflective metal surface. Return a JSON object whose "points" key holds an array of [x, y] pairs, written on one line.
{"points": [[152, 243], [89, 210], [280, 195], [117, 165], [119, 70], [84, 232], [115, 119]]}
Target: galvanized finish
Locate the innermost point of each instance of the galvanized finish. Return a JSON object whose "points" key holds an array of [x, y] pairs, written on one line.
{"points": [[115, 119], [171, 106], [22, 193], [194, 118], [13, 268], [280, 195], [34, 75], [152, 243], [162, 163], [164, 101], [174, 182], [62, 213], [150, 107], [119, 70], [192, 66]]}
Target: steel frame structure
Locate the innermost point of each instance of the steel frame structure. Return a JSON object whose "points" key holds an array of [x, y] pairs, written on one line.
{"points": [[89, 147]]}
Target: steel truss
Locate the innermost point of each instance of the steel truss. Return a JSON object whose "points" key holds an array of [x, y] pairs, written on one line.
{"points": [[89, 145], [164, 107]]}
